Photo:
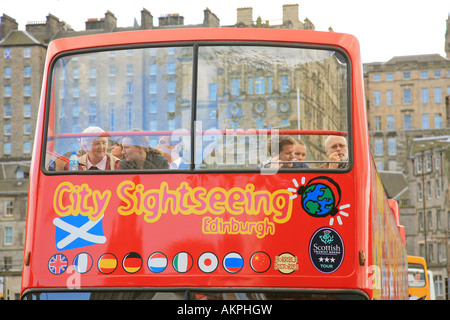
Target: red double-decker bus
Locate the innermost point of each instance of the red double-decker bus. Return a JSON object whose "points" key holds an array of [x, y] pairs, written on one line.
{"points": [[208, 164]]}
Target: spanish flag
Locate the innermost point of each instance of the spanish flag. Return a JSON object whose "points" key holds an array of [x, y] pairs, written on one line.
{"points": [[107, 263]]}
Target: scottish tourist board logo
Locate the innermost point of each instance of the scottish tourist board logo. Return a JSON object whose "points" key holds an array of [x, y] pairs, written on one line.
{"points": [[326, 250]]}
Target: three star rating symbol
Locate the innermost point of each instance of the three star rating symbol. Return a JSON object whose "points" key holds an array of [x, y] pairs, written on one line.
{"points": [[326, 259]]}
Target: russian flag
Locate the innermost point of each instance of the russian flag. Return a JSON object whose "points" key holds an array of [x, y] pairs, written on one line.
{"points": [[233, 262]]}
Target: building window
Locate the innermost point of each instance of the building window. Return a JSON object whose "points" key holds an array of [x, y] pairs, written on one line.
{"points": [[418, 162], [392, 146], [76, 73], [153, 88], [425, 121], [437, 95], [93, 91], [376, 77], [424, 95], [260, 85], [27, 52], [438, 121], [8, 236], [428, 162], [389, 77], [7, 73], [27, 110], [390, 122], [171, 87], [27, 128], [377, 122], [27, 90], [130, 70], [284, 84], [407, 122], [171, 68], [377, 98], [7, 129], [429, 195], [212, 92], [7, 148], [27, 147], [112, 71], [378, 147], [153, 69], [27, 71], [419, 191], [420, 218], [9, 206], [437, 73], [7, 112], [129, 87], [250, 85], [406, 96], [92, 73], [424, 75], [7, 92], [389, 97], [235, 86], [406, 75]]}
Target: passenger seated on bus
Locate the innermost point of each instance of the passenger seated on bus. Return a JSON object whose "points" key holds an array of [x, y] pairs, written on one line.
{"points": [[283, 156], [336, 148], [173, 152], [94, 155], [116, 148], [299, 154], [139, 155]]}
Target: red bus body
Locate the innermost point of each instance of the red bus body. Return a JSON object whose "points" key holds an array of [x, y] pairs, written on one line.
{"points": [[215, 223]]}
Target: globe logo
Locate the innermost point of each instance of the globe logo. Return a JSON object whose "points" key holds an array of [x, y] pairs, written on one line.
{"points": [[318, 198]]}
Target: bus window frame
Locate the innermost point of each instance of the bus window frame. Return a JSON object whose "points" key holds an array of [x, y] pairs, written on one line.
{"points": [[195, 49]]}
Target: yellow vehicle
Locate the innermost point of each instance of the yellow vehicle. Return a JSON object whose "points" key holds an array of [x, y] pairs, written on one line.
{"points": [[418, 281]]}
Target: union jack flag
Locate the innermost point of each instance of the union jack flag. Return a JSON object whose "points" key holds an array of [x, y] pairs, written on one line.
{"points": [[57, 264]]}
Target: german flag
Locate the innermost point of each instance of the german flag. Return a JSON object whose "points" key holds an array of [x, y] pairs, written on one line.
{"points": [[107, 263], [132, 262]]}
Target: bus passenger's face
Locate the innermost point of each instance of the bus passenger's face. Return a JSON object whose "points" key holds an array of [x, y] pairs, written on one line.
{"points": [[299, 152], [129, 151], [338, 145], [287, 154], [98, 148]]}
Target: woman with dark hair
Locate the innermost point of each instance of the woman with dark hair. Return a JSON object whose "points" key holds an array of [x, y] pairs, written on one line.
{"points": [[139, 155], [116, 148]]}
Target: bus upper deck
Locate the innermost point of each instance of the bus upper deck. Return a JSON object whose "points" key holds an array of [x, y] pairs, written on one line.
{"points": [[213, 162]]}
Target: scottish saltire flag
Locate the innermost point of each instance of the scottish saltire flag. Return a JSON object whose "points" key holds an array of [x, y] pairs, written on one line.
{"points": [[82, 262], [77, 231], [57, 264], [233, 262], [157, 262]]}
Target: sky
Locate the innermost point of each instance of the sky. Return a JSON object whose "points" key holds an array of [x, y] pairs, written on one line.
{"points": [[384, 28]]}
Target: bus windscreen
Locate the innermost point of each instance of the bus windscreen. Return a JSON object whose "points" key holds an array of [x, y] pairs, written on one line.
{"points": [[199, 107]]}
